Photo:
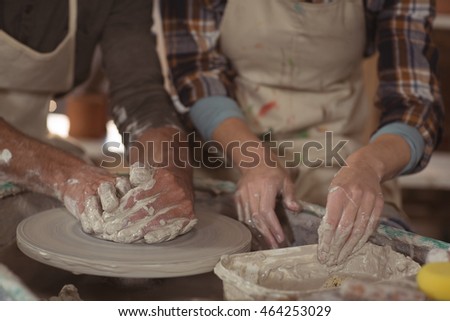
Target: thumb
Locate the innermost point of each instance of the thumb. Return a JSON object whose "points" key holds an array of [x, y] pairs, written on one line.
{"points": [[288, 194]]}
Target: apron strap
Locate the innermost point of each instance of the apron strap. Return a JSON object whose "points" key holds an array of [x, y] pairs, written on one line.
{"points": [[2, 14], [73, 15]]}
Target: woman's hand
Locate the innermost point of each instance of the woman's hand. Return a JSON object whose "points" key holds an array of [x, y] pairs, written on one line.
{"points": [[354, 206], [355, 200], [256, 196], [262, 179]]}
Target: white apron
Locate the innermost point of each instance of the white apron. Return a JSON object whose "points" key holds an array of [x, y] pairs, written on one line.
{"points": [[299, 69], [29, 80]]}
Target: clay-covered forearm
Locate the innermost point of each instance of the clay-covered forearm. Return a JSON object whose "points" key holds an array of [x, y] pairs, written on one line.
{"points": [[138, 96], [387, 156], [33, 164], [197, 67]]}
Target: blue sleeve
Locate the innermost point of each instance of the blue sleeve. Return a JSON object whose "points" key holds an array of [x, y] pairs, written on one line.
{"points": [[413, 138], [208, 113]]}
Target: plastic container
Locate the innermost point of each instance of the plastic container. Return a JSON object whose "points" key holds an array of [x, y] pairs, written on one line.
{"points": [[295, 274]]}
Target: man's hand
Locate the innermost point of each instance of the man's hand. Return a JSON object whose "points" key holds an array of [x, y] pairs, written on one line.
{"points": [[158, 208], [88, 192], [160, 205], [151, 205], [95, 196]]}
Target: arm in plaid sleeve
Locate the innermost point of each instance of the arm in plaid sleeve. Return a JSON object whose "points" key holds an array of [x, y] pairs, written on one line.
{"points": [[191, 32], [199, 72], [409, 91]]}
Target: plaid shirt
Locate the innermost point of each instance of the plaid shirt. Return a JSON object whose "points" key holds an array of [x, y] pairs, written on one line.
{"points": [[400, 30]]}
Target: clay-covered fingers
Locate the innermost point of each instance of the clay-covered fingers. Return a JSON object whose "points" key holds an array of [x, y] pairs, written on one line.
{"points": [[342, 233], [155, 219], [351, 217], [108, 196], [255, 208], [129, 211], [351, 198], [152, 206], [120, 219], [110, 193], [329, 224], [256, 197], [169, 230], [147, 192], [243, 207], [268, 216], [343, 208], [93, 196], [359, 229], [168, 223], [288, 194], [269, 227], [91, 218], [239, 208], [373, 222], [123, 186]]}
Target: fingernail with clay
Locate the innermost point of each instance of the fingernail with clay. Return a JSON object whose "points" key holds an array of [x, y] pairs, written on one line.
{"points": [[85, 224], [280, 238], [293, 205], [108, 197], [122, 185], [323, 252], [322, 256], [274, 246]]}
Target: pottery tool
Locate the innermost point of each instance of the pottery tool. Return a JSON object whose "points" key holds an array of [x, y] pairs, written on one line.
{"points": [[55, 238]]}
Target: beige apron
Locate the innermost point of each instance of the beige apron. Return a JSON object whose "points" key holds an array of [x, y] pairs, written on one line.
{"points": [[299, 69], [29, 79]]}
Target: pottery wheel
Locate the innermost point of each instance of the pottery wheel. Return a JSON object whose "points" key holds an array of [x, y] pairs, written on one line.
{"points": [[55, 238]]}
